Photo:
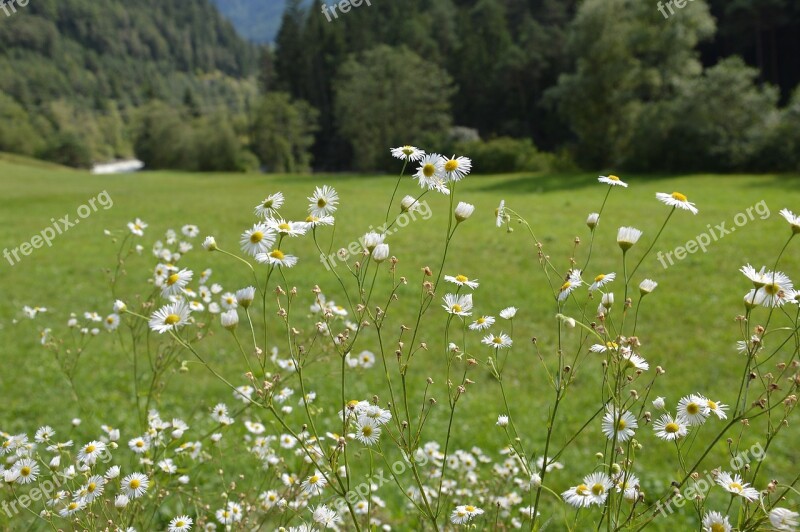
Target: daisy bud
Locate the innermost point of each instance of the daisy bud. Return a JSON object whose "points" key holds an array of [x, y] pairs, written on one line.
{"points": [[409, 204], [536, 480], [464, 211], [380, 253], [608, 300], [76, 421], [502, 421], [599, 456], [593, 220], [647, 286], [55, 462], [245, 296], [627, 237], [121, 501], [658, 403], [120, 306], [371, 240], [229, 319], [210, 244]]}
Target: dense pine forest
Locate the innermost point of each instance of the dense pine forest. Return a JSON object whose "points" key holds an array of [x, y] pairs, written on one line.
{"points": [[522, 84]]}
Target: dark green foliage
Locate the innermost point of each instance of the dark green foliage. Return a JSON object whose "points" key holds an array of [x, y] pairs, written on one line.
{"points": [[283, 133]]}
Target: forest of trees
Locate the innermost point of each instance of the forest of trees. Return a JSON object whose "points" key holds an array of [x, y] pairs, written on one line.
{"points": [[521, 84]]}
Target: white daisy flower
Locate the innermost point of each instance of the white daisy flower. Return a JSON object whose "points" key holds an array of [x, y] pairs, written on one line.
{"points": [[176, 282], [139, 445], [367, 431], [460, 305], [182, 523], [314, 484], [410, 204], [326, 517], [498, 341], [622, 425], [462, 280], [502, 421], [270, 205], [734, 484], [573, 281], [229, 301], [602, 348], [602, 280], [94, 487], [612, 180], [170, 317], [464, 514], [508, 313], [482, 323], [693, 409], [44, 434], [627, 237], [578, 496], [134, 485], [89, 453], [716, 522], [371, 240], [277, 257], [366, 359], [677, 200], [783, 519], [111, 322], [500, 213], [408, 153], [718, 409], [323, 202], [628, 484], [430, 173], [457, 168], [669, 428], [137, 227], [793, 220], [285, 228], [72, 508], [27, 470], [257, 240], [777, 290], [634, 360], [312, 221]]}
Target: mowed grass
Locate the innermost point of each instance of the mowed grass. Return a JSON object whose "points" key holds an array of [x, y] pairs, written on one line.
{"points": [[687, 326]]}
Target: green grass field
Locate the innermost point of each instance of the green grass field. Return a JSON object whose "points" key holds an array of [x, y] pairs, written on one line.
{"points": [[687, 325]]}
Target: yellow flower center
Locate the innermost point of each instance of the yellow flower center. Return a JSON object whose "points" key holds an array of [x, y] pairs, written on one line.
{"points": [[565, 286], [469, 508], [611, 345], [712, 405], [352, 404], [172, 319], [480, 320], [599, 277], [462, 278], [451, 165], [90, 449], [321, 203], [135, 483], [277, 254], [717, 527], [72, 506], [180, 523], [456, 308], [693, 408], [582, 489], [256, 237], [285, 227], [736, 486], [172, 279], [678, 196], [408, 150], [672, 428], [140, 444], [311, 218], [772, 289], [621, 425], [428, 170], [267, 204], [313, 479], [366, 430], [613, 178], [497, 340], [598, 489], [25, 471], [91, 487]]}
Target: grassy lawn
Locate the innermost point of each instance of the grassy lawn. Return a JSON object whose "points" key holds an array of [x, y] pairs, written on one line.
{"points": [[687, 325]]}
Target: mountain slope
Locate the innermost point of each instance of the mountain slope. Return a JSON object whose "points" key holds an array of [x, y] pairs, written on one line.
{"points": [[257, 20]]}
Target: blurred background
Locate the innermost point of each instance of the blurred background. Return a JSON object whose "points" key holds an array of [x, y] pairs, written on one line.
{"points": [[287, 86]]}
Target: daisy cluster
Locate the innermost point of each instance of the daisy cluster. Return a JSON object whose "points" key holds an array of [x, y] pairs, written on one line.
{"points": [[368, 456]]}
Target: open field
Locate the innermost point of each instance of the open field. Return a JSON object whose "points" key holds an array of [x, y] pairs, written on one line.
{"points": [[687, 325]]}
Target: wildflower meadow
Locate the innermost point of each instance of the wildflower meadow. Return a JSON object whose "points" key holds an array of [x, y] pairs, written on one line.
{"points": [[519, 359]]}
